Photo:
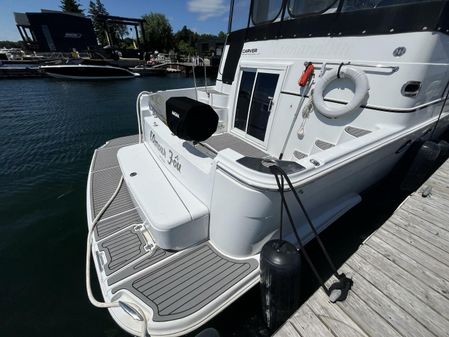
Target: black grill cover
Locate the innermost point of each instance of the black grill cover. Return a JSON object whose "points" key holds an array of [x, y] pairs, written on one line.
{"points": [[189, 119]]}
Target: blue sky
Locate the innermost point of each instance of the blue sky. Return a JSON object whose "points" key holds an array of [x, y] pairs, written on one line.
{"points": [[202, 16]]}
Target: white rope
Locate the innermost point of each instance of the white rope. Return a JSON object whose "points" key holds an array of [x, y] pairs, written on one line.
{"points": [[90, 295]]}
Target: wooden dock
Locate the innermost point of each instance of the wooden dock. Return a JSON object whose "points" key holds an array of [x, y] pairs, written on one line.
{"points": [[400, 274]]}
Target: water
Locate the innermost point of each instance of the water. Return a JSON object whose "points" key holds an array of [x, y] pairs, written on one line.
{"points": [[49, 130]]}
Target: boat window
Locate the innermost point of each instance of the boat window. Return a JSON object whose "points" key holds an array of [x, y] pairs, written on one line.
{"points": [[355, 5], [244, 98], [261, 104], [240, 15], [302, 7], [264, 11]]}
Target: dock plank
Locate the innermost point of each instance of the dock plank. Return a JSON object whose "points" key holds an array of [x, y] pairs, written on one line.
{"points": [[416, 241], [425, 225], [385, 307], [334, 317], [400, 274], [430, 214], [308, 324], [416, 254], [365, 317], [420, 271], [406, 296], [405, 278], [424, 230]]}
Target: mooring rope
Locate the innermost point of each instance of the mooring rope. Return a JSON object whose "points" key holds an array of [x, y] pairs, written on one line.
{"points": [[90, 295]]}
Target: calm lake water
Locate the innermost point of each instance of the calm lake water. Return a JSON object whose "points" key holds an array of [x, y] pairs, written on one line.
{"points": [[48, 132]]}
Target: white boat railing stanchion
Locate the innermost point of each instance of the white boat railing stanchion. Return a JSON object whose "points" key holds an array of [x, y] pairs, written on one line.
{"points": [[194, 81], [205, 74], [139, 113]]}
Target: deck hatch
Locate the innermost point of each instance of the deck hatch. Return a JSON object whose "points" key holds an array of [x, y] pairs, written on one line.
{"points": [[122, 249]]}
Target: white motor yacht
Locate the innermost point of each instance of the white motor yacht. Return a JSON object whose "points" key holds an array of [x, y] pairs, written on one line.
{"points": [[334, 92]]}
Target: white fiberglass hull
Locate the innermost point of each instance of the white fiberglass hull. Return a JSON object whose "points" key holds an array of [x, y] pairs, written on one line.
{"points": [[88, 72]]}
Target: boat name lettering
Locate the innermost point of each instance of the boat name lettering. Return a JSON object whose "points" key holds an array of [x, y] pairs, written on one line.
{"points": [[158, 146], [173, 158]]}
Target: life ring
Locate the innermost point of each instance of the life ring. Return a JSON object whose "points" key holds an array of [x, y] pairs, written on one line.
{"points": [[361, 90]]}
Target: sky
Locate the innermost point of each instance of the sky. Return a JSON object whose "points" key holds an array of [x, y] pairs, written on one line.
{"points": [[202, 16]]}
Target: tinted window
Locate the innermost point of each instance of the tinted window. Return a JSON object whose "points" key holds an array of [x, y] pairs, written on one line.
{"points": [[354, 5], [240, 14], [261, 104], [244, 98], [266, 10], [302, 7]]}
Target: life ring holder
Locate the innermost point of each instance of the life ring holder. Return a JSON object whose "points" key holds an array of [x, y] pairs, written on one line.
{"points": [[343, 71]]}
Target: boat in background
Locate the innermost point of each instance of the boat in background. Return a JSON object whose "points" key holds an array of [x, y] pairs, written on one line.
{"points": [[87, 72], [143, 70]]}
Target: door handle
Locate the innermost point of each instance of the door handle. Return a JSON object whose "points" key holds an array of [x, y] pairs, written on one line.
{"points": [[270, 103]]}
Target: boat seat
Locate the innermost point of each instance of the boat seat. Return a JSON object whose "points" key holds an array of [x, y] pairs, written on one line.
{"points": [[175, 217]]}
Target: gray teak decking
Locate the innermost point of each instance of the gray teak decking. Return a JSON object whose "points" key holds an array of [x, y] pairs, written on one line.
{"points": [[400, 274], [173, 284]]}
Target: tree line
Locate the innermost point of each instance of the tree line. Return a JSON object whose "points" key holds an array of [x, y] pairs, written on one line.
{"points": [[159, 34]]}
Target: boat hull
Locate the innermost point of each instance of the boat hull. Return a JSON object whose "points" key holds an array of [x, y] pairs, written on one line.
{"points": [[88, 72]]}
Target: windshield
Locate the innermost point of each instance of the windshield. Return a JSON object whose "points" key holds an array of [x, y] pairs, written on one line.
{"points": [[239, 14], [302, 7], [245, 13], [355, 5], [265, 11]]}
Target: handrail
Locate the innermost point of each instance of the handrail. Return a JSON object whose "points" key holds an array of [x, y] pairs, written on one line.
{"points": [[363, 65], [194, 80], [194, 76], [205, 73], [139, 113]]}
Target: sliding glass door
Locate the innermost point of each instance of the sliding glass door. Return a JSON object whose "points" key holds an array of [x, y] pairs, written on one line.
{"points": [[255, 101]]}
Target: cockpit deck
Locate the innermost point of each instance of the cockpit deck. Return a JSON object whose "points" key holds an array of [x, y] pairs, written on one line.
{"points": [[229, 141], [166, 285]]}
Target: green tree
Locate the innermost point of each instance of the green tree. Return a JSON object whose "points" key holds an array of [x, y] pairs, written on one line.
{"points": [[185, 41], [71, 6], [158, 32], [184, 48], [95, 9], [222, 35], [118, 32], [12, 44]]}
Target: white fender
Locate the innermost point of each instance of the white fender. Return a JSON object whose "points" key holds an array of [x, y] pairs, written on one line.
{"points": [[361, 90]]}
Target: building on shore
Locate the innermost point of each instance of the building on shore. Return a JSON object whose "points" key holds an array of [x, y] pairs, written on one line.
{"points": [[55, 31]]}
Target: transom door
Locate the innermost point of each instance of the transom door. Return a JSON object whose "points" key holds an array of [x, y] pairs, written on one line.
{"points": [[255, 103]]}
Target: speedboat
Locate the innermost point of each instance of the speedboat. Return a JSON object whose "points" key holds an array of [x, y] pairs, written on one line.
{"points": [[143, 70], [332, 92], [87, 72]]}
